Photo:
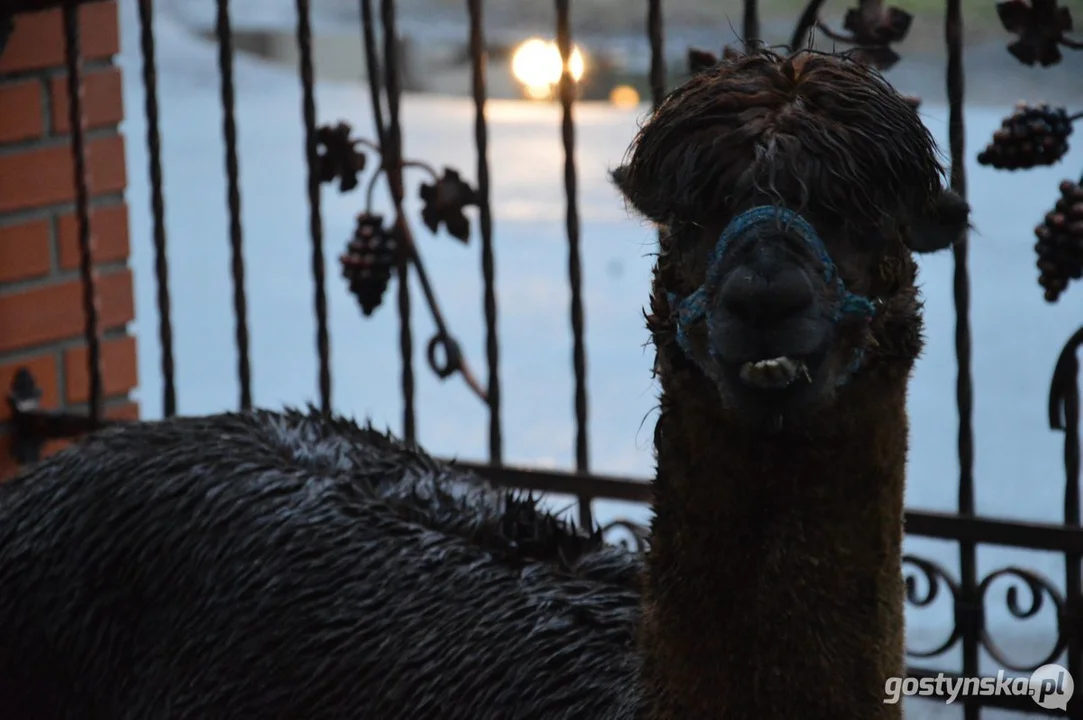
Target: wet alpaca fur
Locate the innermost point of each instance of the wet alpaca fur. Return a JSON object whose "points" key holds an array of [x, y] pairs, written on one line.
{"points": [[271, 566], [276, 566]]}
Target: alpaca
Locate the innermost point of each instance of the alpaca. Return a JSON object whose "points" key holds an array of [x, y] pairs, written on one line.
{"points": [[786, 324], [284, 566], [250, 566]]}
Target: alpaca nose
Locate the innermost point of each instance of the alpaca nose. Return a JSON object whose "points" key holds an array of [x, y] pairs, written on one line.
{"points": [[767, 303], [767, 298]]}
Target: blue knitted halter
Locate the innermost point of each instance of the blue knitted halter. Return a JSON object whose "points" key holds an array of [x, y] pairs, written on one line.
{"points": [[694, 307]]}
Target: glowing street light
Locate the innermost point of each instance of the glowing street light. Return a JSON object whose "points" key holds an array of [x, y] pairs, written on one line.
{"points": [[624, 97], [536, 65]]}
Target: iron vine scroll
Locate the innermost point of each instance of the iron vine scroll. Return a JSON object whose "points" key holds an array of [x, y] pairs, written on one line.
{"points": [[375, 248]]}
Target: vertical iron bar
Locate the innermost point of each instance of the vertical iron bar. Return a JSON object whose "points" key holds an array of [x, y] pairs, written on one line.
{"points": [[575, 281], [658, 59], [229, 133], [1073, 561], [803, 32], [656, 36], [372, 69], [315, 221], [157, 204], [479, 58], [392, 157], [76, 120], [751, 24], [1072, 623], [968, 609]]}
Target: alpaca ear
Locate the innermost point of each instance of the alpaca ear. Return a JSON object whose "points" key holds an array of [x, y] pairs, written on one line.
{"points": [[620, 177], [941, 224]]}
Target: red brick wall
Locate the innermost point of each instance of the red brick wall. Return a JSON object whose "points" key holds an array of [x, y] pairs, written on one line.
{"points": [[41, 315]]}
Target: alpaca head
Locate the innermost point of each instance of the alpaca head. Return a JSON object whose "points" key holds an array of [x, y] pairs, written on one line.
{"points": [[792, 192]]}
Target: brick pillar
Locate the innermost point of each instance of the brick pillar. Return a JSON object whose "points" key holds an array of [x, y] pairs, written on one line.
{"points": [[41, 310]]}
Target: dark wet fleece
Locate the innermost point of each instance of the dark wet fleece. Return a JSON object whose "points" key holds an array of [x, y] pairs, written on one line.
{"points": [[278, 566]]}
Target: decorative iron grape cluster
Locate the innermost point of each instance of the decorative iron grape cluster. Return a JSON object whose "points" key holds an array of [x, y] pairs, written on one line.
{"points": [[1030, 136], [368, 260], [1060, 242]]}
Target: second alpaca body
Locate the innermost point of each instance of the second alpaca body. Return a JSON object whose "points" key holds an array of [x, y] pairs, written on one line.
{"points": [[279, 567]]}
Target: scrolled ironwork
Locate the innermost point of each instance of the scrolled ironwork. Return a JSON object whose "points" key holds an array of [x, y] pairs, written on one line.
{"points": [[639, 534], [1035, 135], [1039, 587], [342, 159], [1040, 26], [872, 27], [1064, 402], [452, 355], [934, 575], [1064, 412]]}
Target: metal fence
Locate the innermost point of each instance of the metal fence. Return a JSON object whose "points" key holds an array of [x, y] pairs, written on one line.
{"points": [[382, 249]]}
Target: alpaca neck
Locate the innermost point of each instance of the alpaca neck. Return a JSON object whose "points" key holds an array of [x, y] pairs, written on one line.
{"points": [[774, 587]]}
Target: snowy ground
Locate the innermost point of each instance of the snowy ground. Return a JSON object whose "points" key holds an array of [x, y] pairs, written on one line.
{"points": [[1016, 335]]}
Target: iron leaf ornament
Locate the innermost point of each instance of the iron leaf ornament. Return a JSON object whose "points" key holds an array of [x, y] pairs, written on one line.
{"points": [[871, 27], [1035, 135], [444, 201], [700, 60], [339, 157], [1040, 26], [873, 23]]}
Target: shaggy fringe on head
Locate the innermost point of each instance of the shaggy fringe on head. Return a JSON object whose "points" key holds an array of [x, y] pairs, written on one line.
{"points": [[807, 130]]}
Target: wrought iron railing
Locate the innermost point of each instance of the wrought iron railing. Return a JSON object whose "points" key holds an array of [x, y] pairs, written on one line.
{"points": [[1031, 136]]}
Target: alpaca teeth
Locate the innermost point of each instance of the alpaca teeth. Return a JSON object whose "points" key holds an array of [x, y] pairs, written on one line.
{"points": [[772, 373]]}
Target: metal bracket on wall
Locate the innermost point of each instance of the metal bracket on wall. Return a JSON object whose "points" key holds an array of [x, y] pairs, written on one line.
{"points": [[24, 398], [32, 426]]}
